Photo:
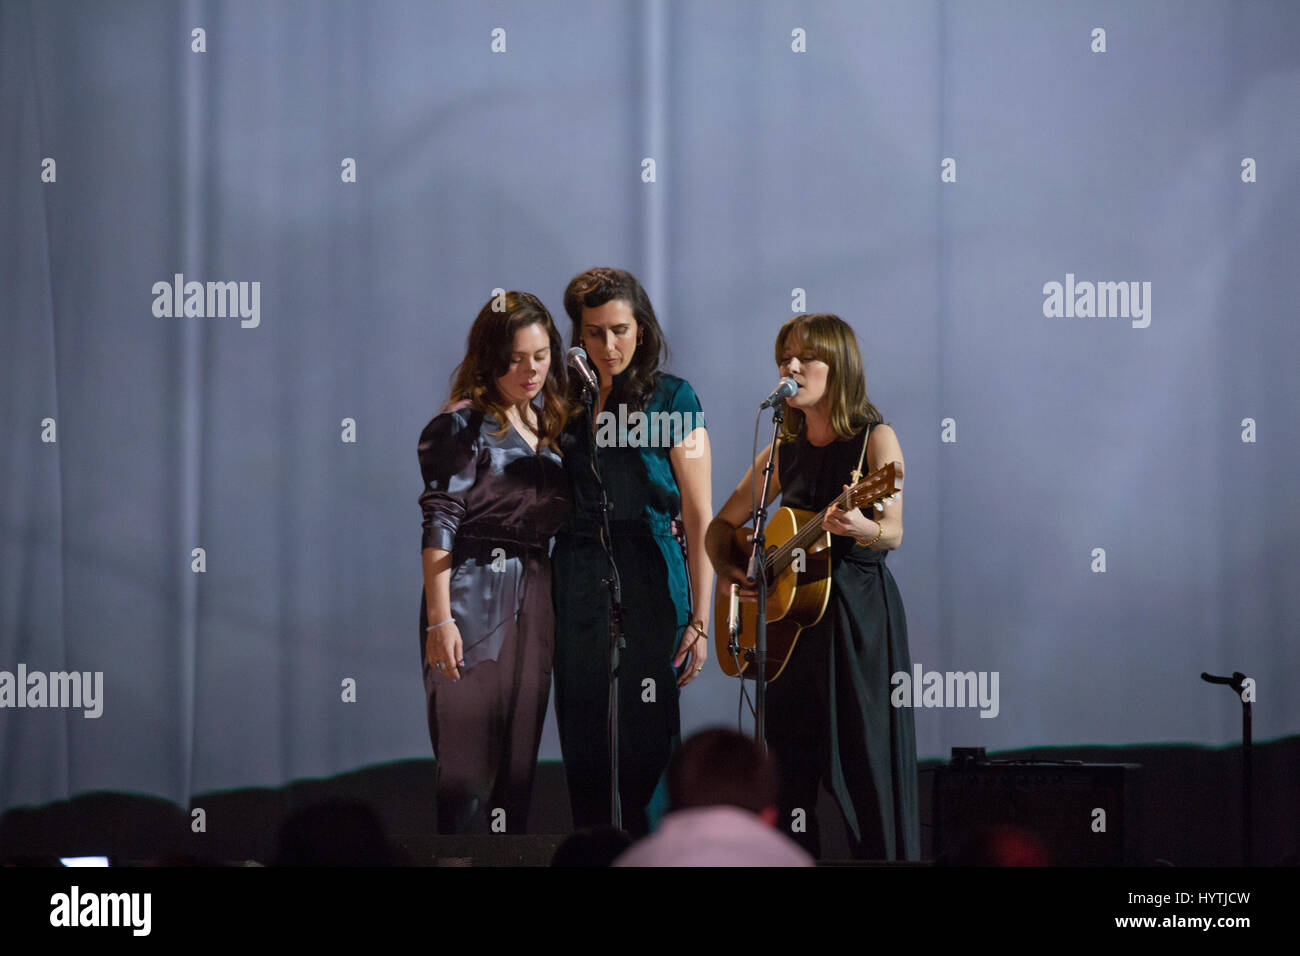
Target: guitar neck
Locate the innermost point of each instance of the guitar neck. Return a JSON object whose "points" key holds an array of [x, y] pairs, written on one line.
{"points": [[876, 487]]}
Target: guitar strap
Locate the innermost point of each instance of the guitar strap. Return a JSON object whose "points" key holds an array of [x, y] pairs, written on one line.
{"points": [[857, 472]]}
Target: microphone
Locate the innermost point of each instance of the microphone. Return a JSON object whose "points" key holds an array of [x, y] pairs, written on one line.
{"points": [[733, 621], [785, 389], [576, 359]]}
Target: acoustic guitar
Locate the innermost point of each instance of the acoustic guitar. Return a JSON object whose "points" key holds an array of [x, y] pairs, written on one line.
{"points": [[798, 575]]}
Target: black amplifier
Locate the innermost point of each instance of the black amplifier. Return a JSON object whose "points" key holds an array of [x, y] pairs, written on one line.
{"points": [[1070, 812]]}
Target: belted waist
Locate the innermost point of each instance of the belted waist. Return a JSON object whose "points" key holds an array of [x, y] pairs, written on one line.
{"points": [[628, 527], [501, 534]]}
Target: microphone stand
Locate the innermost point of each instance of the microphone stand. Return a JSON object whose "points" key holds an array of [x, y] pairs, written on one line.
{"points": [[1237, 683], [616, 639], [757, 573]]}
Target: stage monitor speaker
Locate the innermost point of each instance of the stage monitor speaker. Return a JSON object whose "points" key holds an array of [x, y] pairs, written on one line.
{"points": [[1081, 814]]}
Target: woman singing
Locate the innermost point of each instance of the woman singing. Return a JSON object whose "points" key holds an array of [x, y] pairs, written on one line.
{"points": [[829, 715], [653, 450], [494, 494]]}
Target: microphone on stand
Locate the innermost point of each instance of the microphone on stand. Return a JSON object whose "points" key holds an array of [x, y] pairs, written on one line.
{"points": [[733, 621], [576, 359], [785, 389]]}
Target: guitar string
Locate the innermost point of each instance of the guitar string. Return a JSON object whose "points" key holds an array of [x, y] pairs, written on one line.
{"points": [[810, 530]]}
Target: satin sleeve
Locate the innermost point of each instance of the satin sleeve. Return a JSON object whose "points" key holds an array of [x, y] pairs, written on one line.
{"points": [[449, 465], [686, 403]]}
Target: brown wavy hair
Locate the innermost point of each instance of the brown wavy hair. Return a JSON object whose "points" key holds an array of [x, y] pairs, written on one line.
{"points": [[593, 289], [487, 358], [831, 339]]}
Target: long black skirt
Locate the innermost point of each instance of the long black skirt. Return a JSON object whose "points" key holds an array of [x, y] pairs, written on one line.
{"points": [[830, 720]]}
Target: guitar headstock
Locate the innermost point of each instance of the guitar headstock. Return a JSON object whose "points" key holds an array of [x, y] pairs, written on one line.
{"points": [[881, 484]]}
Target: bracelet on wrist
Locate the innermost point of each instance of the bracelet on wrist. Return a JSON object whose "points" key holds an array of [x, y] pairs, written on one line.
{"points": [[434, 627], [880, 529]]}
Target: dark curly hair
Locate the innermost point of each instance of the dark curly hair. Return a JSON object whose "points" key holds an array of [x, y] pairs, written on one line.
{"points": [[592, 289]]}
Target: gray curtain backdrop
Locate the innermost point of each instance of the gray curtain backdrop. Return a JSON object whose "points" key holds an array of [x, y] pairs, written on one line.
{"points": [[775, 170]]}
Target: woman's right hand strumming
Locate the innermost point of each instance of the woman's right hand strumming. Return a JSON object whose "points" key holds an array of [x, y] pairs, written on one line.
{"points": [[734, 575], [444, 651], [718, 545], [720, 538]]}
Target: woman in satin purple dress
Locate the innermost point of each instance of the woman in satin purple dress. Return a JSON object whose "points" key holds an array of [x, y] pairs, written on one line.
{"points": [[494, 494]]}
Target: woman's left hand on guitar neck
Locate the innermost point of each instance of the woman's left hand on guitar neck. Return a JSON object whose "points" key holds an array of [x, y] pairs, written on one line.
{"points": [[852, 523]]}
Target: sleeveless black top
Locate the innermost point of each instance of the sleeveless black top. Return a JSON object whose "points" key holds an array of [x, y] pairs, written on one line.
{"points": [[811, 477]]}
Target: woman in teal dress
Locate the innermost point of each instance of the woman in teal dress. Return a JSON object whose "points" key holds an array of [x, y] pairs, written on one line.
{"points": [[652, 448]]}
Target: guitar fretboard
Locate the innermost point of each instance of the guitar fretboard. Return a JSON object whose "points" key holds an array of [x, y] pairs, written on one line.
{"points": [[802, 539], [875, 487]]}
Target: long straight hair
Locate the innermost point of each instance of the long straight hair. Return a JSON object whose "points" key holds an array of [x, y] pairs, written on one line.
{"points": [[830, 339], [487, 358]]}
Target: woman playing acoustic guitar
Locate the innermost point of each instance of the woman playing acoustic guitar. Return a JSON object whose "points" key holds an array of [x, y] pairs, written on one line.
{"points": [[828, 715]]}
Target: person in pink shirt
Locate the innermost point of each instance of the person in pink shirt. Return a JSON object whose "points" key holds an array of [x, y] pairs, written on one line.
{"points": [[722, 790]]}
